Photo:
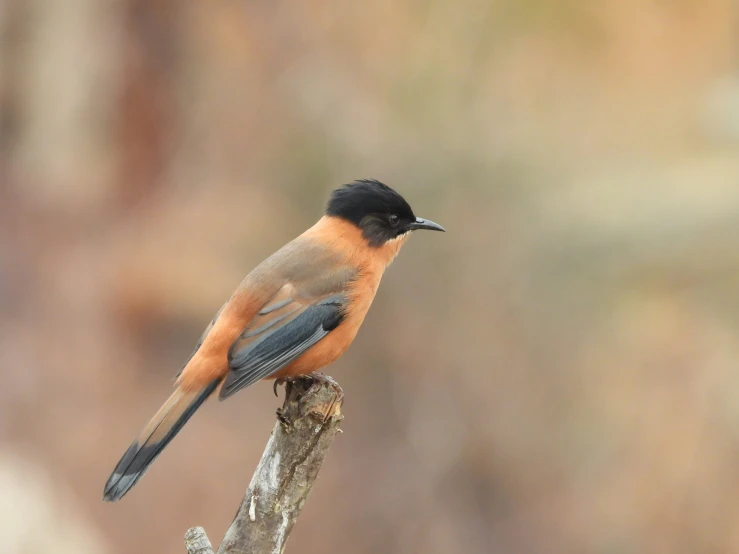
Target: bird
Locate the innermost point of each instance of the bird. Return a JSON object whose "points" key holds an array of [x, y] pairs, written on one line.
{"points": [[295, 313]]}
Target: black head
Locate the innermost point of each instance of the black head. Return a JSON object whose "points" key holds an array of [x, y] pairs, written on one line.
{"points": [[380, 212]]}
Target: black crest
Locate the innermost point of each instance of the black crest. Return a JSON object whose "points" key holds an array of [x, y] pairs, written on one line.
{"points": [[374, 207]]}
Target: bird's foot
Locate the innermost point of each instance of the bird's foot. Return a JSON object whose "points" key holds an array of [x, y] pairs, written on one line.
{"points": [[287, 381], [278, 382], [323, 379], [281, 417], [307, 383], [320, 379], [315, 378]]}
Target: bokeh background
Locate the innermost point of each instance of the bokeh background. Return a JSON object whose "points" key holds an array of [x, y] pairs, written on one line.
{"points": [[556, 374]]}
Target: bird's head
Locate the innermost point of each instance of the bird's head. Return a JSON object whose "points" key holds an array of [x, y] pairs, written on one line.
{"points": [[382, 214]]}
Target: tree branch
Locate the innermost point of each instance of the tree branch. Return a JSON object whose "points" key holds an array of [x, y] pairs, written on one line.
{"points": [[196, 541], [307, 424]]}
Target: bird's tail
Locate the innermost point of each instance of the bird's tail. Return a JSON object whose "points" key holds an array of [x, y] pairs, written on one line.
{"points": [[154, 437]]}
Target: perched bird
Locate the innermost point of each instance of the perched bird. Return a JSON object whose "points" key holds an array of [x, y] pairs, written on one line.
{"points": [[296, 312]]}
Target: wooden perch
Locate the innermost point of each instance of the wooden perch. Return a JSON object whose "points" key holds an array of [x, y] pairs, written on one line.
{"points": [[307, 424]]}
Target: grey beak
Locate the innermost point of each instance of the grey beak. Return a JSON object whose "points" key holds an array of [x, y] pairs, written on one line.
{"points": [[421, 223]]}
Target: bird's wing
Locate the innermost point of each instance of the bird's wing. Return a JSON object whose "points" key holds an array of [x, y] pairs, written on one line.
{"points": [[310, 305]]}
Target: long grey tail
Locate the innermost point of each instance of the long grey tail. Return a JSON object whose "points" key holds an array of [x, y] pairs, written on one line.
{"points": [[162, 428]]}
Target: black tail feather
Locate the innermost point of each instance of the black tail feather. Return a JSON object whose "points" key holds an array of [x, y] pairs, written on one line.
{"points": [[142, 453]]}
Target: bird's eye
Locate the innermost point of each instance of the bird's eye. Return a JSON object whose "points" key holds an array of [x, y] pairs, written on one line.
{"points": [[394, 220]]}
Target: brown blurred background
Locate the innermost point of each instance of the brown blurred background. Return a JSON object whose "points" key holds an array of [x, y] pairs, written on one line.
{"points": [[556, 374]]}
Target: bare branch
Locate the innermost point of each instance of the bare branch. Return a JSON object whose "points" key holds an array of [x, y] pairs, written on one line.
{"points": [[196, 541], [307, 424]]}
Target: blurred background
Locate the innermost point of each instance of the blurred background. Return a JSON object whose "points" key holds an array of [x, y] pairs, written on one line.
{"points": [[556, 374]]}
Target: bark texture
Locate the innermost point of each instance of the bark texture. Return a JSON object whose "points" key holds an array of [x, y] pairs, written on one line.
{"points": [[307, 424], [197, 542]]}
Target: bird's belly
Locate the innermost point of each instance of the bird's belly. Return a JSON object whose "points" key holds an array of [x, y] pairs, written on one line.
{"points": [[321, 355], [331, 347]]}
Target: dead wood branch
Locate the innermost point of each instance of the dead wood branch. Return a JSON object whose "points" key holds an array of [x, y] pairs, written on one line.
{"points": [[307, 424]]}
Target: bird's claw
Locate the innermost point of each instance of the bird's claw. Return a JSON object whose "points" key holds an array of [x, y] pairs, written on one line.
{"points": [[281, 417], [287, 381], [315, 381], [322, 378]]}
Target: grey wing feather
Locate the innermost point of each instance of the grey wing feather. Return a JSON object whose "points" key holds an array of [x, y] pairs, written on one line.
{"points": [[280, 345]]}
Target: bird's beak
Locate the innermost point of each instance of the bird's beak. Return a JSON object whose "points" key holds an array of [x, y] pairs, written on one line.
{"points": [[421, 223]]}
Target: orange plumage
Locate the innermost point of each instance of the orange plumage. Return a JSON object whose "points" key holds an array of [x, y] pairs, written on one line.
{"points": [[295, 313]]}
